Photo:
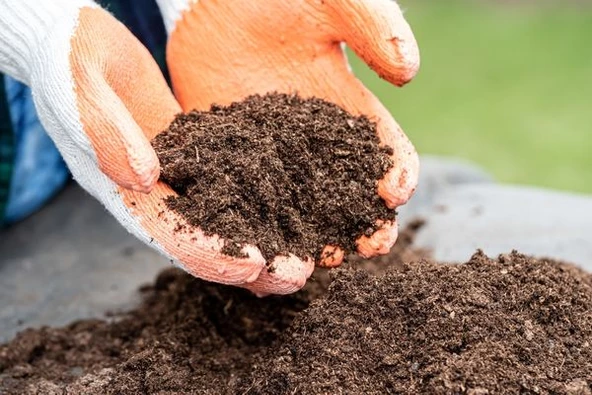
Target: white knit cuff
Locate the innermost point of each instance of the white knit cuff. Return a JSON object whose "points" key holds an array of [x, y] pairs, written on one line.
{"points": [[171, 11], [24, 25]]}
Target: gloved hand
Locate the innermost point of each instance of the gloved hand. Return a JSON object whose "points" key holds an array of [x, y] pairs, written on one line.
{"points": [[222, 51], [101, 98]]}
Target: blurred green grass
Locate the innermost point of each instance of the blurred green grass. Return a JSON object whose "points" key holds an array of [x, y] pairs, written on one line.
{"points": [[508, 87]]}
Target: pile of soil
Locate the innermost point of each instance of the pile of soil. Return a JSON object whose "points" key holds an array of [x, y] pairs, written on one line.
{"points": [[510, 325], [286, 174]]}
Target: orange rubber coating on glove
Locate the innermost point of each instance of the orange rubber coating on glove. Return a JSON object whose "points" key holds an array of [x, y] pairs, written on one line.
{"points": [[285, 275], [223, 51], [199, 254], [380, 242], [122, 106], [331, 256]]}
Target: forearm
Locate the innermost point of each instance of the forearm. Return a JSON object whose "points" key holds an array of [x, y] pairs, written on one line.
{"points": [[24, 25]]}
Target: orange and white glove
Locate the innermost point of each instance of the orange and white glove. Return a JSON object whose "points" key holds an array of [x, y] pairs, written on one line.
{"points": [[101, 97], [222, 51]]}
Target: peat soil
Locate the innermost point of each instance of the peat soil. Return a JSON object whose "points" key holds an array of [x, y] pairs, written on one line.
{"points": [[283, 173], [398, 324]]}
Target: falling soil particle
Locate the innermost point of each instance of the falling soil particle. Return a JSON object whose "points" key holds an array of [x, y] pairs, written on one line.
{"points": [[286, 174], [510, 325]]}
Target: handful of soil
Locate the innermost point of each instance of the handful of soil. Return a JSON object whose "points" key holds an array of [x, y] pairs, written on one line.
{"points": [[286, 174]]}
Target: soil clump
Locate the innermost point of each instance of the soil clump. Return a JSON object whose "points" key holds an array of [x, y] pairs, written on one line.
{"points": [[400, 324], [286, 174]]}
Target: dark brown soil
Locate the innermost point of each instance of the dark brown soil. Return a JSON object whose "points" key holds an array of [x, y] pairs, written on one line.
{"points": [[511, 325], [285, 174]]}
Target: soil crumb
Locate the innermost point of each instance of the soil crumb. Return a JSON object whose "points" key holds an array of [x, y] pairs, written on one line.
{"points": [[509, 325], [286, 174]]}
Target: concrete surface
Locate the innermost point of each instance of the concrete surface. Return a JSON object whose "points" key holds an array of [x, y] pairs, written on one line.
{"points": [[438, 175], [72, 260], [465, 210], [498, 219]]}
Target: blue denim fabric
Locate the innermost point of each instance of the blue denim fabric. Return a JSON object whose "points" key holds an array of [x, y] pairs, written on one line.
{"points": [[39, 170]]}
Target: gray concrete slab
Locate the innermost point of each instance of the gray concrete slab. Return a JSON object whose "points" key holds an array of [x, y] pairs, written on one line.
{"points": [[71, 260], [498, 219], [437, 175]]}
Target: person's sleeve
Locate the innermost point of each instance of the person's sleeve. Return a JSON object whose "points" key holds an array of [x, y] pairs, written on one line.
{"points": [[6, 150], [36, 168]]}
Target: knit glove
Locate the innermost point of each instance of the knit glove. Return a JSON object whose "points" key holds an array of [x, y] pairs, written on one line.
{"points": [[101, 98], [222, 51]]}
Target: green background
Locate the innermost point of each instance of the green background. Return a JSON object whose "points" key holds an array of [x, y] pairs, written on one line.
{"points": [[506, 86]]}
